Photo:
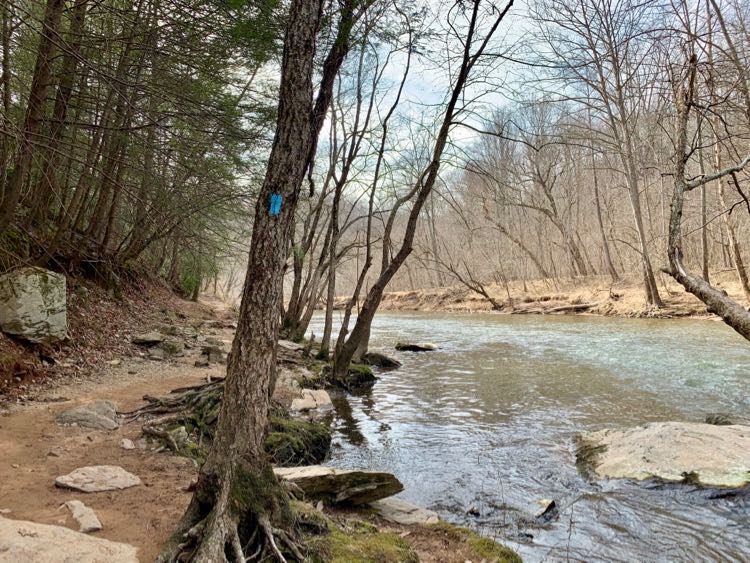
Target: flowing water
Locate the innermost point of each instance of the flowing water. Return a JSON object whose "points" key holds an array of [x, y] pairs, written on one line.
{"points": [[488, 421]]}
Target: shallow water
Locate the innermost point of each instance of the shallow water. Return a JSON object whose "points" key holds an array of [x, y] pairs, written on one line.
{"points": [[488, 422]]}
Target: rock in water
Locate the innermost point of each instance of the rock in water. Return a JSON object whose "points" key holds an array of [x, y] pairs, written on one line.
{"points": [[86, 518], [22, 541], [674, 451], [380, 361], [98, 478], [33, 305], [99, 415], [401, 512], [416, 347], [350, 486]]}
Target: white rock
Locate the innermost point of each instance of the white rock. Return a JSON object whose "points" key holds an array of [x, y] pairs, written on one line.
{"points": [[401, 512], [714, 455], [127, 444], [416, 347], [97, 478], [28, 542], [84, 516], [312, 399], [33, 305]]}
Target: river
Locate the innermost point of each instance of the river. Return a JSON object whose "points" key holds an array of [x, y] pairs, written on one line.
{"points": [[487, 422]]}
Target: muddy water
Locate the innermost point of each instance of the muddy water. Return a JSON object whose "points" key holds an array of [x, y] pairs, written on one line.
{"points": [[487, 422]]}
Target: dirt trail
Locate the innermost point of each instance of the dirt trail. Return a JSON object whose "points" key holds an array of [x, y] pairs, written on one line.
{"points": [[36, 450]]}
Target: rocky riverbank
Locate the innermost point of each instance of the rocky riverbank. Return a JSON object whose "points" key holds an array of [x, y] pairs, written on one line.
{"points": [[87, 467]]}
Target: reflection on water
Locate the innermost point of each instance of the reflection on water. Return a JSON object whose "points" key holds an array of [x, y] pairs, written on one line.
{"points": [[487, 422]]}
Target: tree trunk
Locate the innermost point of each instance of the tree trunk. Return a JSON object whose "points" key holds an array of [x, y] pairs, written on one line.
{"points": [[237, 493], [605, 244], [34, 112]]}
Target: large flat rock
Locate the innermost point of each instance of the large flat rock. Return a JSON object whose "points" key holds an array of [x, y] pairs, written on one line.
{"points": [[98, 478], [402, 512], [312, 399], [28, 542], [99, 415], [351, 486], [674, 451]]}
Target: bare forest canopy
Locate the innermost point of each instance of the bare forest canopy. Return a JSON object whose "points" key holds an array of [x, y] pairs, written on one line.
{"points": [[135, 136]]}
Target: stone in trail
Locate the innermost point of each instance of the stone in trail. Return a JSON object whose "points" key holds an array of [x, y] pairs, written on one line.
{"points": [[33, 305], [312, 399], [402, 512], [98, 478], [29, 542], [674, 451], [84, 516], [350, 486], [127, 444], [99, 415], [148, 339], [416, 347]]}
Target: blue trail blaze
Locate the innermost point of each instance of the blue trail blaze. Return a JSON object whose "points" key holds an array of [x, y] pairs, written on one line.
{"points": [[275, 206]]}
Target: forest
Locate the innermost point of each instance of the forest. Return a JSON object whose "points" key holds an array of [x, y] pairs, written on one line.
{"points": [[303, 161]]}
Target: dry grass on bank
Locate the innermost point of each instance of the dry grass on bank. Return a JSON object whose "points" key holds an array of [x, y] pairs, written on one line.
{"points": [[624, 298]]}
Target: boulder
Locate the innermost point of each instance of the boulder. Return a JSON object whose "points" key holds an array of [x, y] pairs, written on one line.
{"points": [[351, 486], [401, 512], [157, 354], [33, 305], [214, 354], [84, 516], [359, 377], [148, 339], [172, 347], [99, 415], [673, 451], [416, 347], [98, 478], [312, 399], [21, 540], [381, 361]]}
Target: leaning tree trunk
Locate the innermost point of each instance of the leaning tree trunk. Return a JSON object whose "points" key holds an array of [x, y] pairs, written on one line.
{"points": [[717, 301], [237, 494]]}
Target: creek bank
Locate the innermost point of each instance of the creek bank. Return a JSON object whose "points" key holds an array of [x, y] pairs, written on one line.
{"points": [[593, 295], [695, 453]]}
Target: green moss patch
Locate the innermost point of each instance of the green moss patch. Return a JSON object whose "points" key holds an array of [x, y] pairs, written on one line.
{"points": [[483, 548], [296, 442], [362, 543]]}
